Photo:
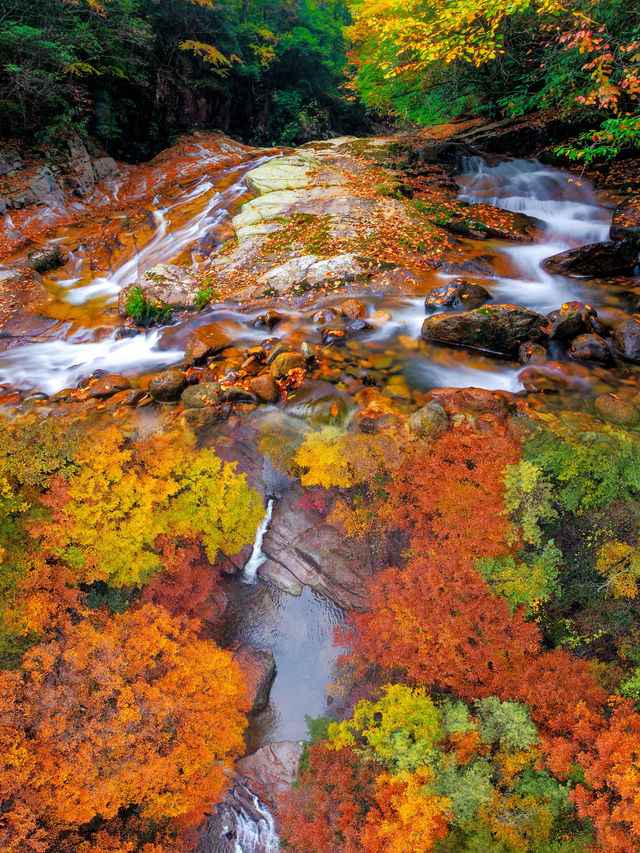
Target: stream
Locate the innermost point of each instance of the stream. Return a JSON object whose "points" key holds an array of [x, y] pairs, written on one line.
{"points": [[184, 220]]}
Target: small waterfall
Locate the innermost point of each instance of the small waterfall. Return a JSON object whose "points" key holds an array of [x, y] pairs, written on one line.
{"points": [[242, 823], [257, 558]]}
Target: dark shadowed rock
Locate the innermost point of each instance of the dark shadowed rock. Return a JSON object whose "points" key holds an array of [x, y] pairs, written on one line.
{"points": [[259, 669], [530, 353], [459, 294], [590, 348], [597, 260], [167, 386], [49, 257], [626, 339], [495, 328], [625, 224], [572, 319]]}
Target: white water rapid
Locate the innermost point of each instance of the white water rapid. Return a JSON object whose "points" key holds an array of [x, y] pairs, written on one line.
{"points": [[257, 558]]}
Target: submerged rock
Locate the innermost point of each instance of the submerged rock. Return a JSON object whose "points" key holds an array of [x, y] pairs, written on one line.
{"points": [[430, 420], [199, 396], [458, 294], [495, 328], [616, 410]]}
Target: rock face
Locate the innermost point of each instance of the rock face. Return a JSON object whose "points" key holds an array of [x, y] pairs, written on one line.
{"points": [[597, 260], [259, 669], [459, 294], [626, 339], [625, 224], [303, 550], [164, 284], [496, 328], [22, 293], [272, 770], [312, 271]]}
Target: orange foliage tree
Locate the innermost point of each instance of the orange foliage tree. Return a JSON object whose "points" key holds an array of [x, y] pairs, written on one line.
{"points": [[130, 711]]}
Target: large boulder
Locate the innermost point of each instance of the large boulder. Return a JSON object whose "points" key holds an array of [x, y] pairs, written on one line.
{"points": [[165, 284], [272, 770], [625, 224], [49, 257], [495, 328], [259, 669], [597, 260]]}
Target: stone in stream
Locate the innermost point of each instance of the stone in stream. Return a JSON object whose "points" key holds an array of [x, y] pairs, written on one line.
{"points": [[199, 396], [49, 257], [106, 386], [167, 386], [554, 377], [323, 316], [626, 339], [319, 403], [612, 408], [597, 260], [165, 285], [590, 347], [459, 294], [353, 309], [495, 328], [285, 362], [259, 669], [571, 319], [270, 319], [265, 388], [625, 224], [429, 420], [202, 417], [205, 341], [530, 353]]}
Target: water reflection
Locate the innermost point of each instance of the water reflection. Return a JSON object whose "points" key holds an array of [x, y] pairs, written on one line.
{"points": [[299, 632]]}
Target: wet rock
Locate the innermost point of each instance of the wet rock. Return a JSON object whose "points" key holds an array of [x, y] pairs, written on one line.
{"points": [[332, 336], [626, 339], [126, 332], [429, 420], [201, 417], [277, 349], [319, 403], [165, 284], [238, 394], [285, 362], [49, 257], [105, 167], [614, 409], [590, 347], [106, 386], [205, 341], [270, 319], [307, 351], [553, 377], [459, 294], [167, 386], [625, 224], [199, 396], [265, 388], [495, 328], [259, 669], [324, 316], [572, 319], [252, 365], [356, 326], [530, 353], [597, 260], [353, 309]]}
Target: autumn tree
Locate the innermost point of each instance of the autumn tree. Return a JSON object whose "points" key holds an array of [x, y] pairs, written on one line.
{"points": [[147, 715]]}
